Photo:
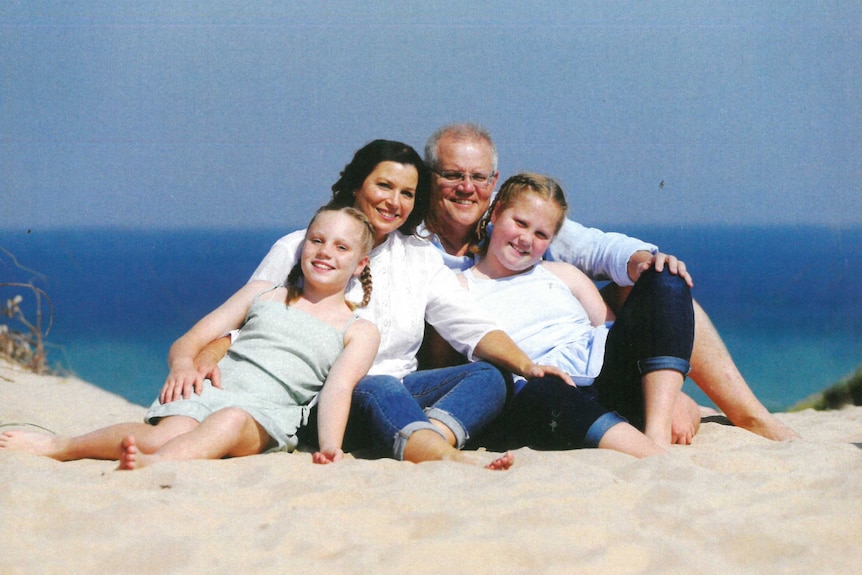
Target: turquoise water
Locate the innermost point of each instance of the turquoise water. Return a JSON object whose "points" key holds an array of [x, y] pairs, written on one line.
{"points": [[787, 301]]}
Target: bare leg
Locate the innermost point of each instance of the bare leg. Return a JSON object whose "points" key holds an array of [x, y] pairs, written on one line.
{"points": [[626, 438], [100, 444], [661, 389], [502, 463], [713, 370], [716, 374], [227, 432], [427, 445], [444, 429]]}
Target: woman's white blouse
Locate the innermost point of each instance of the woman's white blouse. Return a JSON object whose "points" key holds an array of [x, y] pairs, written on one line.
{"points": [[411, 285]]}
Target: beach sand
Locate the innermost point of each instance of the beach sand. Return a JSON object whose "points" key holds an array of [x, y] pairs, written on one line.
{"points": [[730, 503]]}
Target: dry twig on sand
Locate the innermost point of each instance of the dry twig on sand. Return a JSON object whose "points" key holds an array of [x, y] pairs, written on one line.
{"points": [[23, 341]]}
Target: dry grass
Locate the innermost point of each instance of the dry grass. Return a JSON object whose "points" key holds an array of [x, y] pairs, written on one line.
{"points": [[22, 336]]}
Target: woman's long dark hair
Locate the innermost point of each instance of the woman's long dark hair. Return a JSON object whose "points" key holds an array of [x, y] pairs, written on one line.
{"points": [[363, 163]]}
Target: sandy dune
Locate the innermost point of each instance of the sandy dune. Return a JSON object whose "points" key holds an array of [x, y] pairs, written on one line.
{"points": [[730, 503]]}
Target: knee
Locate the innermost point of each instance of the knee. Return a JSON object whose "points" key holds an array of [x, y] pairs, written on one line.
{"points": [[232, 418], [166, 429], [374, 391], [665, 291], [487, 371], [491, 381], [376, 385], [664, 281]]}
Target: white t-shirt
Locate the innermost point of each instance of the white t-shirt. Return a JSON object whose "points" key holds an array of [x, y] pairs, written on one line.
{"points": [[545, 319], [600, 255]]}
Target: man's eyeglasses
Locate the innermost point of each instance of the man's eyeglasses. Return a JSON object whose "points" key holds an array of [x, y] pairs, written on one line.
{"points": [[478, 178]]}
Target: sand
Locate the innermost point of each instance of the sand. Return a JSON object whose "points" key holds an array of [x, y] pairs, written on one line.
{"points": [[730, 503]]}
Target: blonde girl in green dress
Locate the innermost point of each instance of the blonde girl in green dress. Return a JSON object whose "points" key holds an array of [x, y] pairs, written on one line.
{"points": [[297, 346]]}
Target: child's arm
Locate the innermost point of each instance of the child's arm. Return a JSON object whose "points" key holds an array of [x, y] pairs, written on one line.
{"points": [[583, 288], [360, 348], [206, 362], [185, 376], [498, 348]]}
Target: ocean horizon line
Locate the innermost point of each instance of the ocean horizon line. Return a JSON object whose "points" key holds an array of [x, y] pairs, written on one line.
{"points": [[606, 226], [782, 297]]}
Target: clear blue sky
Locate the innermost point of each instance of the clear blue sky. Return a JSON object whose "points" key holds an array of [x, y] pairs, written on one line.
{"points": [[241, 114]]}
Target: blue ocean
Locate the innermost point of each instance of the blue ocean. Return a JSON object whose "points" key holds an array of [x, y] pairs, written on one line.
{"points": [[788, 301]]}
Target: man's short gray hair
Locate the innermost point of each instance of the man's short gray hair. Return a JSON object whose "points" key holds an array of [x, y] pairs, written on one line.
{"points": [[463, 132]]}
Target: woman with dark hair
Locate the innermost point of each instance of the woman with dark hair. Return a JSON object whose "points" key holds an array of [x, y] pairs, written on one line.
{"points": [[364, 162], [397, 410]]}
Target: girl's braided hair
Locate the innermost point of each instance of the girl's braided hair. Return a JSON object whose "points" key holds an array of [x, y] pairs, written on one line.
{"points": [[295, 278]]}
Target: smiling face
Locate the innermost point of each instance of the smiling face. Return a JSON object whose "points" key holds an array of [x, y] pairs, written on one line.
{"points": [[387, 197], [523, 230], [458, 205], [334, 250]]}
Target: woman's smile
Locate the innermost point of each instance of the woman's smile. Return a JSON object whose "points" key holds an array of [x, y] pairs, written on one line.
{"points": [[387, 197]]}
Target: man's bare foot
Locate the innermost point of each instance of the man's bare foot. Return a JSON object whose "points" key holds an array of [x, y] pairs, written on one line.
{"points": [[33, 442], [130, 457], [770, 428]]}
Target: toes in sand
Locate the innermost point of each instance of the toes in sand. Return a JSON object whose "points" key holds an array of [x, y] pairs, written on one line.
{"points": [[130, 456], [502, 463]]}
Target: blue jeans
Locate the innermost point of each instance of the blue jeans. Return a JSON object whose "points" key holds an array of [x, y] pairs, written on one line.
{"points": [[385, 411], [655, 330], [548, 413]]}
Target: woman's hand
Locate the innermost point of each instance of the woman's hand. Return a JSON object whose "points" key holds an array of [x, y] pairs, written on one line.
{"points": [[536, 371], [328, 456], [499, 349]]}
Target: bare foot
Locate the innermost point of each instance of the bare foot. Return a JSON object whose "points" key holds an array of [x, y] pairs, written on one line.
{"points": [[503, 462], [770, 428], [428, 445], [33, 442], [130, 457]]}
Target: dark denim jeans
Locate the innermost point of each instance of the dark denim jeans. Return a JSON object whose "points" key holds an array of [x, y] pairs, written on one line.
{"points": [[654, 330]]}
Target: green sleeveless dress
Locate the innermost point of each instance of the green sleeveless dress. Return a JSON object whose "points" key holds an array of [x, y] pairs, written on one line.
{"points": [[274, 371]]}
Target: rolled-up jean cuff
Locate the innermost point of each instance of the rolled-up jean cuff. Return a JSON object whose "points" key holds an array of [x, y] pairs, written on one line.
{"points": [[404, 434], [601, 426], [651, 364], [446, 418]]}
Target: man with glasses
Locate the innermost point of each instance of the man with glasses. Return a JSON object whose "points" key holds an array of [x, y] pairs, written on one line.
{"points": [[463, 161]]}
